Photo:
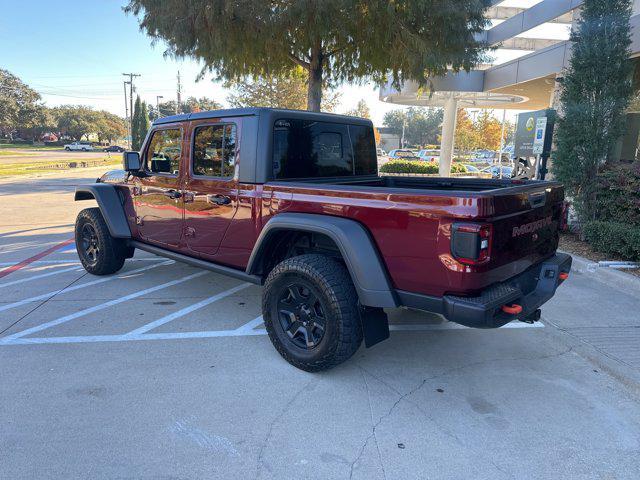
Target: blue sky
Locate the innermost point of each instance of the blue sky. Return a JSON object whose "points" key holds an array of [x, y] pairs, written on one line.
{"points": [[74, 52], [77, 53]]}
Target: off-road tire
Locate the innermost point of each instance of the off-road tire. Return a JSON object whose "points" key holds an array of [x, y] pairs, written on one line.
{"points": [[111, 252], [336, 293]]}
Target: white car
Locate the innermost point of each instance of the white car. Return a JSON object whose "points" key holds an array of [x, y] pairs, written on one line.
{"points": [[77, 146]]}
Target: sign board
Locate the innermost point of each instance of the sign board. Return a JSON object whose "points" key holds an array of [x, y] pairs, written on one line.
{"points": [[534, 133], [538, 139]]}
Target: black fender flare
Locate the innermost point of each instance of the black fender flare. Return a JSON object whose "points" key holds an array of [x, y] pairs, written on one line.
{"points": [[358, 250], [110, 205]]}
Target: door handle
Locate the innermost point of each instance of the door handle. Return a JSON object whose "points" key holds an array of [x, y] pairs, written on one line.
{"points": [[172, 194], [219, 199]]}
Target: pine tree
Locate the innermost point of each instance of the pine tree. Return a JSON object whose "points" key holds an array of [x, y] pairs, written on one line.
{"points": [[596, 91], [139, 124]]}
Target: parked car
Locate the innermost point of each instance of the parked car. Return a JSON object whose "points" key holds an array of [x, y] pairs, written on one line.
{"points": [[114, 148], [380, 152], [429, 155], [403, 154], [495, 170], [304, 212], [77, 146], [484, 156]]}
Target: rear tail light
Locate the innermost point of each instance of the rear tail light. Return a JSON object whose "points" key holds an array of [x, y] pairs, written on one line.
{"points": [[471, 242]]}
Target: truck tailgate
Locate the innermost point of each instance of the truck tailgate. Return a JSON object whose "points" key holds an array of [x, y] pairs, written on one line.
{"points": [[526, 224]]}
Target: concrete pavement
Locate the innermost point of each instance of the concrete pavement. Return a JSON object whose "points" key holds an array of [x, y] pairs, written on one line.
{"points": [[165, 371]]}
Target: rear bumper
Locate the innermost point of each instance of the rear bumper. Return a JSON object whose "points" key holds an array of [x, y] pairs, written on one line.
{"points": [[530, 289]]}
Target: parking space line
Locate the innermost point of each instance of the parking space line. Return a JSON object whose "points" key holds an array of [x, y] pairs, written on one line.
{"points": [[17, 266], [187, 310], [246, 330], [456, 326], [250, 325], [76, 262], [101, 306], [37, 277], [73, 288]]}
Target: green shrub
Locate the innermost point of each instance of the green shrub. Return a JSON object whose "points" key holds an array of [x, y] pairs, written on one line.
{"points": [[614, 238], [414, 166], [618, 193]]}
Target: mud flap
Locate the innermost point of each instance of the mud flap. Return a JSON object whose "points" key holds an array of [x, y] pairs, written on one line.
{"points": [[375, 325]]}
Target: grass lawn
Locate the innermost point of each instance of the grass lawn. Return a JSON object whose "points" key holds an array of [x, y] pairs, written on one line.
{"points": [[8, 169], [9, 153], [25, 146]]}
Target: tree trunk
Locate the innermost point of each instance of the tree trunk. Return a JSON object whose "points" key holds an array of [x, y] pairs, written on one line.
{"points": [[314, 91]]}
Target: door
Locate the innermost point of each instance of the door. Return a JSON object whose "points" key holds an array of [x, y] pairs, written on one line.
{"points": [[157, 197], [211, 189]]}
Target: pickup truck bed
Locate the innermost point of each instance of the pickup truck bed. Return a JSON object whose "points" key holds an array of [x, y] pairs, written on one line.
{"points": [[253, 192]]}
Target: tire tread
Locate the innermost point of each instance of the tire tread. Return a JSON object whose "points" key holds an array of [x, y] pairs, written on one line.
{"points": [[334, 281]]}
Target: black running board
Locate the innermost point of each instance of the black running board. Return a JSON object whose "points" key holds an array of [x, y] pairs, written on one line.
{"points": [[196, 262]]}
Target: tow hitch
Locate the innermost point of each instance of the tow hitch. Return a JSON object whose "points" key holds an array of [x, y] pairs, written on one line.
{"points": [[532, 317]]}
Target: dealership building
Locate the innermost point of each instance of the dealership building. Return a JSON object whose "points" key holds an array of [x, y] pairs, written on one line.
{"points": [[533, 48]]}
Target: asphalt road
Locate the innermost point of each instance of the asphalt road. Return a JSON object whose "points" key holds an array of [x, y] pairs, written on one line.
{"points": [[51, 155], [163, 371]]}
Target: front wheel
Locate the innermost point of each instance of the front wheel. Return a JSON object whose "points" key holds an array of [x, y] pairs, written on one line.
{"points": [[310, 310], [99, 252]]}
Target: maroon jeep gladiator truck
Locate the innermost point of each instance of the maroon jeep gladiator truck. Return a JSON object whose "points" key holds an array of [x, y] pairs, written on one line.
{"points": [[293, 201]]}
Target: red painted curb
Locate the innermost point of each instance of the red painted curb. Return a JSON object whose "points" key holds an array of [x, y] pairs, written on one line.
{"points": [[38, 256]]}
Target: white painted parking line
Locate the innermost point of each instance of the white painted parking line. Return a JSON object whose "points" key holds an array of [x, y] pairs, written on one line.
{"points": [[456, 326], [187, 310], [133, 338], [43, 275], [101, 306], [246, 330], [249, 326], [73, 288], [76, 262]]}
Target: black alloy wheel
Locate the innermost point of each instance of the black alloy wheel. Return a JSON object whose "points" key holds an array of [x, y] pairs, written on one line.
{"points": [[311, 312], [301, 315], [90, 245]]}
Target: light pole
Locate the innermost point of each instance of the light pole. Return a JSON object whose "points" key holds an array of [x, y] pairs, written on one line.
{"points": [[158, 97]]}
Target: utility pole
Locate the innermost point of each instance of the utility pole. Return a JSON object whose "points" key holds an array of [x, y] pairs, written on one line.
{"points": [[179, 95], [158, 97], [131, 90], [126, 111]]}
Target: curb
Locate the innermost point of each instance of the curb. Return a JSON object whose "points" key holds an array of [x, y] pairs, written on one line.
{"points": [[606, 275]]}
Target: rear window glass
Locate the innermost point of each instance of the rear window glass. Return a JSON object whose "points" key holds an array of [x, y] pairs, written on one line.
{"points": [[214, 150], [305, 148]]}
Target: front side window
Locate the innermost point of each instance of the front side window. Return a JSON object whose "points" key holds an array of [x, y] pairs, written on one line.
{"points": [[214, 150], [163, 155]]}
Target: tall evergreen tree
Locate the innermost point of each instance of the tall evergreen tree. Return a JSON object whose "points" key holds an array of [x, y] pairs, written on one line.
{"points": [[139, 124], [333, 40], [596, 90]]}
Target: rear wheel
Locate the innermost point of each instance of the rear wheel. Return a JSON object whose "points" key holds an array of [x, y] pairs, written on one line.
{"points": [[99, 252], [310, 310]]}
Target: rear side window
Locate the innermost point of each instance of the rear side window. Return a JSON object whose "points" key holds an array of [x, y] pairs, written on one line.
{"points": [[307, 149], [214, 150], [163, 155]]}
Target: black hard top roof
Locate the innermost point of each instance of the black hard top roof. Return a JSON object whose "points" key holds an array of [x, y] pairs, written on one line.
{"points": [[240, 112]]}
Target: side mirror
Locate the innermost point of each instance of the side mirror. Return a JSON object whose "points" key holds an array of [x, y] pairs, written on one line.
{"points": [[131, 161]]}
